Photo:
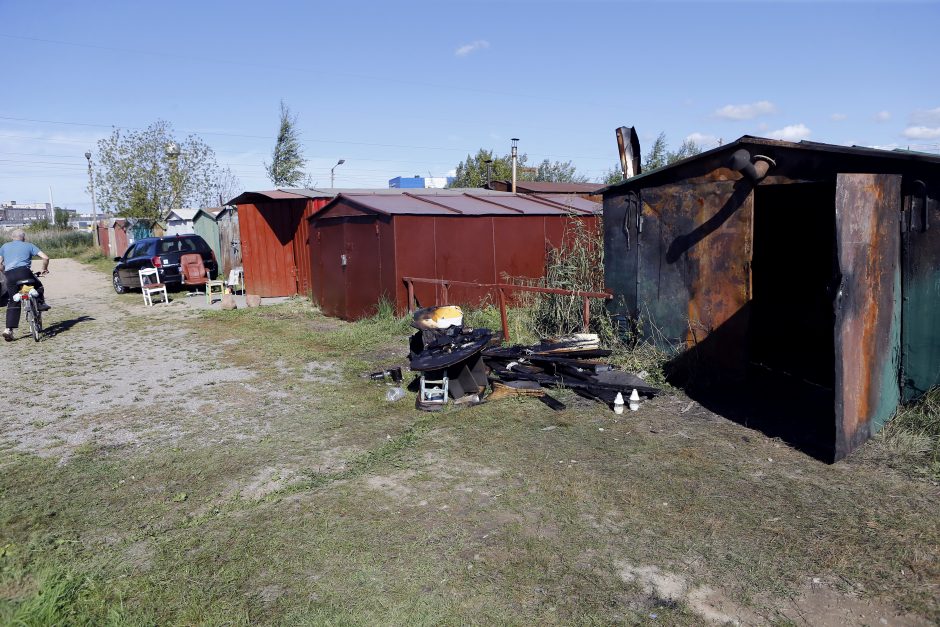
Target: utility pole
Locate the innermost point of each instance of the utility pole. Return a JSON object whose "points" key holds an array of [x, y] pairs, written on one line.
{"points": [[515, 155], [51, 208], [94, 210], [173, 152]]}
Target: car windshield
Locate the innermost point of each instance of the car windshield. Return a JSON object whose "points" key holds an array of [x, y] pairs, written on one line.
{"points": [[180, 244]]}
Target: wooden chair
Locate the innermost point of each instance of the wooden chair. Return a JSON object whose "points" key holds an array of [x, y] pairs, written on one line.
{"points": [[150, 284]]}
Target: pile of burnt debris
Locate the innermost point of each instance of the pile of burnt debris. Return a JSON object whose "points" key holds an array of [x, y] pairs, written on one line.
{"points": [[459, 364]]}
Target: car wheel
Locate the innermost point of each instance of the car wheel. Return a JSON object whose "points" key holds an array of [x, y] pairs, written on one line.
{"points": [[120, 289]]}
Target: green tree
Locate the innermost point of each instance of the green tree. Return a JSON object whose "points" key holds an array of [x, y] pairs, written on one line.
{"points": [[61, 218], [613, 175], [657, 156], [287, 162], [660, 155], [135, 177], [687, 149], [559, 172], [472, 172]]}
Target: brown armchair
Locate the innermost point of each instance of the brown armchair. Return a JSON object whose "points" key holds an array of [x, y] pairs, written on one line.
{"points": [[193, 271]]}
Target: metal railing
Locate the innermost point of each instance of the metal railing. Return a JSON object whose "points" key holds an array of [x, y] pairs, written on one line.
{"points": [[500, 289]]}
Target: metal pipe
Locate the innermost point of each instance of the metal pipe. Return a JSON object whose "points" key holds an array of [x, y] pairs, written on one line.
{"points": [[502, 313], [94, 211], [515, 159]]}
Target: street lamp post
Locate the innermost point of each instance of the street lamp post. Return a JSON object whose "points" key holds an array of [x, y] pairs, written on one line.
{"points": [[173, 152], [94, 210], [332, 175], [515, 158]]}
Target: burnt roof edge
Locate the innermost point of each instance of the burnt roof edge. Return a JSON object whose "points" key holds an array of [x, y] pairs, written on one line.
{"points": [[750, 140]]}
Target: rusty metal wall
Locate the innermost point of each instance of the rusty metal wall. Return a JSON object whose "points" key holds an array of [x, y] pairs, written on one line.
{"points": [[350, 265], [363, 266], [229, 241], [120, 242], [484, 249], [104, 241], [329, 252], [380, 250], [868, 305], [693, 254], [268, 233]]}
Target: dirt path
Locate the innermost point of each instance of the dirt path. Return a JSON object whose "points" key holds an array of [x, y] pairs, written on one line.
{"points": [[101, 355]]}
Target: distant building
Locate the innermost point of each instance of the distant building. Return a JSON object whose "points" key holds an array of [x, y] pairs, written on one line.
{"points": [[420, 182], [14, 213], [180, 221]]}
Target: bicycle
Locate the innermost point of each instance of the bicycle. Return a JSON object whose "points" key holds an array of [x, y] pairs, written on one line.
{"points": [[30, 297]]}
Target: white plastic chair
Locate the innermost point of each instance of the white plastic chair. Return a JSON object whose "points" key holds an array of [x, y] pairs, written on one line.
{"points": [[150, 285], [236, 279]]}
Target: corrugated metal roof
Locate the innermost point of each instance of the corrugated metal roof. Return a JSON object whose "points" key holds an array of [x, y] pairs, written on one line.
{"points": [[572, 201], [548, 187], [331, 192], [458, 202]]}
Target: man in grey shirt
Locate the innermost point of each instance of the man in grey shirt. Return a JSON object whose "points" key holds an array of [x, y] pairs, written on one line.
{"points": [[16, 258]]}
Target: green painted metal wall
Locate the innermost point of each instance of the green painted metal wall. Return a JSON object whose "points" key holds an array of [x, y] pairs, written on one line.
{"points": [[921, 283], [206, 227]]}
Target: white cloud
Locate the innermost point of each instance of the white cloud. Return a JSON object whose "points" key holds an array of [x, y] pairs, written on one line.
{"points": [[838, 117], [452, 172], [882, 116], [473, 46], [702, 140], [922, 132], [746, 111], [791, 133], [926, 116]]}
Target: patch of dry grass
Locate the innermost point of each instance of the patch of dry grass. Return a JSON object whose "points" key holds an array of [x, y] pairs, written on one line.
{"points": [[350, 510]]}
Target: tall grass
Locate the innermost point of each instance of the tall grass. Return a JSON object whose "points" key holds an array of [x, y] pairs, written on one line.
{"points": [[578, 264], [914, 434], [56, 242]]}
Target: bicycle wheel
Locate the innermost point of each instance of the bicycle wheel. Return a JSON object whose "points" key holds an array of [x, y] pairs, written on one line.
{"points": [[34, 317]]}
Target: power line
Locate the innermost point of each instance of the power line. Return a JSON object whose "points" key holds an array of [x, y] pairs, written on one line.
{"points": [[305, 70]]}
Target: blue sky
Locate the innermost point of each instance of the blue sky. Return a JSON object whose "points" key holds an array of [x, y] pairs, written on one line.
{"points": [[404, 88]]}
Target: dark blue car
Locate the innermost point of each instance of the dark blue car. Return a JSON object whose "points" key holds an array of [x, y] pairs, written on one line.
{"points": [[162, 253]]}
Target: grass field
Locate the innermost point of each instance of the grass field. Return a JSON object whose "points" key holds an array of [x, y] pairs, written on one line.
{"points": [[326, 505], [57, 243]]}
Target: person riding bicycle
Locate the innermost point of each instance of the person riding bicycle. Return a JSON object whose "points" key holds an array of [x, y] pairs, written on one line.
{"points": [[15, 261]]}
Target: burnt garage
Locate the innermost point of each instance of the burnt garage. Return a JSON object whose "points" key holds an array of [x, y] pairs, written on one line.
{"points": [[803, 275], [363, 245]]}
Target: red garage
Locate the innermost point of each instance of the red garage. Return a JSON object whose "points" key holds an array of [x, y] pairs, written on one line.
{"points": [[363, 243]]}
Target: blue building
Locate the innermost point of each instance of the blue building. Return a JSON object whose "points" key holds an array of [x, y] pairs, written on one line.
{"points": [[420, 182]]}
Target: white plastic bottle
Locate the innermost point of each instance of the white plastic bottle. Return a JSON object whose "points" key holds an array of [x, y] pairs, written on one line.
{"points": [[618, 403]]}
